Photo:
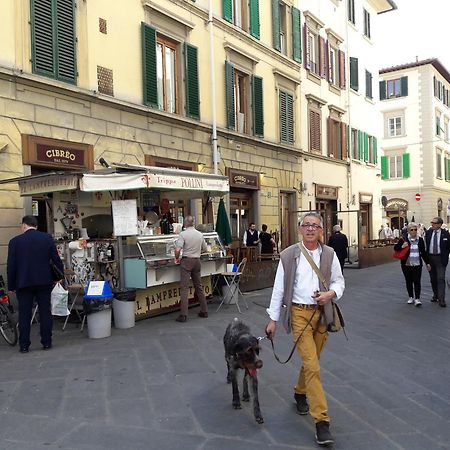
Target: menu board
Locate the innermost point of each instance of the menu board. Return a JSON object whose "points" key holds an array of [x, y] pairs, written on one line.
{"points": [[124, 217]]}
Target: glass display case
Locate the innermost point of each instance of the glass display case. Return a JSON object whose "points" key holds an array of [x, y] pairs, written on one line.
{"points": [[150, 261]]}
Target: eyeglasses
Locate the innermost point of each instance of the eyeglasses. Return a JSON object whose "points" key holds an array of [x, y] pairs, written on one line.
{"points": [[435, 223], [413, 229], [313, 226]]}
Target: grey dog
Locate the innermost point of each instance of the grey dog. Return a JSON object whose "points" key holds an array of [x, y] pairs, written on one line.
{"points": [[242, 352]]}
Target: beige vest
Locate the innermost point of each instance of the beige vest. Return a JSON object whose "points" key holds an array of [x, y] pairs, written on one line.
{"points": [[290, 259]]}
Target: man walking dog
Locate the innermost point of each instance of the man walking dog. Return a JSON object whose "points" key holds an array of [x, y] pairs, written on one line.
{"points": [[298, 299]]}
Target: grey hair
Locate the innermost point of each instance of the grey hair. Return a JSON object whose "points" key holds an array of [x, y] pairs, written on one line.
{"points": [[311, 214], [337, 228], [412, 225], [188, 221]]}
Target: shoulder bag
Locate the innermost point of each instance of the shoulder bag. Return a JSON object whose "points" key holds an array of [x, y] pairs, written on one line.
{"points": [[401, 254]]}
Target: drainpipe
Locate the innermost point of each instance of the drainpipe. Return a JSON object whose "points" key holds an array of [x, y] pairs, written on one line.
{"points": [[213, 90]]}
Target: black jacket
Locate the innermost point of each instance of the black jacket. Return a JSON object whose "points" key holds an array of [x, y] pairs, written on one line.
{"points": [[339, 242], [422, 252], [444, 243]]}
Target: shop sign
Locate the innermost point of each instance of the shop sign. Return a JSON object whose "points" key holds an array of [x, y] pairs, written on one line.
{"points": [[365, 198], [241, 179], [45, 184], [396, 204], [164, 297], [50, 154], [330, 192]]}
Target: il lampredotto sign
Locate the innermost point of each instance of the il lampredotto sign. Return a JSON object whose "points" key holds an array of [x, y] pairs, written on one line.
{"points": [[50, 183]]}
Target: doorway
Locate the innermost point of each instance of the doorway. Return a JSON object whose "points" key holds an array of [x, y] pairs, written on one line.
{"points": [[287, 221], [241, 213], [328, 211]]}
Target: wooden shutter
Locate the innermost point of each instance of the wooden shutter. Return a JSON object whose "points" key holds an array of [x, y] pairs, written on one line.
{"points": [[354, 84], [296, 35], [445, 169], [342, 78], [65, 41], [366, 147], [375, 150], [307, 47], [404, 86], [323, 71], [344, 141], [149, 65], [384, 167], [191, 78], [257, 106], [227, 10], [276, 26], [382, 90], [435, 86], [314, 131], [229, 96], [254, 18], [43, 37], [331, 145], [361, 145], [405, 165], [286, 117]]}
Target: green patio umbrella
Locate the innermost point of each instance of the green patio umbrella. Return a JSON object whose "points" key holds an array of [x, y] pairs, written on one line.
{"points": [[223, 224]]}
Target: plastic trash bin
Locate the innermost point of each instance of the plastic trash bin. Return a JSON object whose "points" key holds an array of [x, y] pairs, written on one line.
{"points": [[98, 310], [124, 306]]}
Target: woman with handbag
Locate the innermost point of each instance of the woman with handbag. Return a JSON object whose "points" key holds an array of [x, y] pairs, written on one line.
{"points": [[411, 263]]}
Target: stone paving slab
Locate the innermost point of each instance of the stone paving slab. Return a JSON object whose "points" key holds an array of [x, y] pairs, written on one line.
{"points": [[162, 384]]}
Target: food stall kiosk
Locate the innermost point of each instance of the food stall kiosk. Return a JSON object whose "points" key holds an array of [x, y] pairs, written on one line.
{"points": [[95, 226]]}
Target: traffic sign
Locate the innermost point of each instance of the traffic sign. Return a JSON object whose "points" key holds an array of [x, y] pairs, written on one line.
{"points": [[418, 196]]}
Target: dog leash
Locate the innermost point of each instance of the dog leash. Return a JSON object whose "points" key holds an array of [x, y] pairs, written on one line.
{"points": [[295, 343]]}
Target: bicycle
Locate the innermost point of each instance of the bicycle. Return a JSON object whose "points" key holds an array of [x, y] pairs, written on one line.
{"points": [[8, 325]]}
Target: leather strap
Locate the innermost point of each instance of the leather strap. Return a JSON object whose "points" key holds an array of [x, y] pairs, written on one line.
{"points": [[319, 274]]}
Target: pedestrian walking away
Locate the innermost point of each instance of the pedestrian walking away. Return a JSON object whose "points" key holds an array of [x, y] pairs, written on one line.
{"points": [[437, 241], [412, 263], [298, 300], [339, 243], [30, 277], [190, 245]]}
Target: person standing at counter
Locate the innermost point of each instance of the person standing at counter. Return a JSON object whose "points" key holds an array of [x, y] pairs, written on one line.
{"points": [[30, 276], [191, 243], [251, 236]]}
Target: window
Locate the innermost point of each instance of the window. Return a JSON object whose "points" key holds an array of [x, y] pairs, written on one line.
{"points": [[354, 144], [354, 78], [366, 24], [438, 164], [244, 14], [369, 85], [286, 117], [333, 66], [351, 11], [447, 167], [161, 67], [337, 139], [395, 167], [283, 28], [244, 93], [438, 124], [394, 126], [446, 130], [315, 144], [53, 39], [397, 87]]}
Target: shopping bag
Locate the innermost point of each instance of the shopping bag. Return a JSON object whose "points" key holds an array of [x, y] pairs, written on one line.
{"points": [[60, 298]]}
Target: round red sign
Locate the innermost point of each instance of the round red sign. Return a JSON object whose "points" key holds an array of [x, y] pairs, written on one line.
{"points": [[418, 196]]}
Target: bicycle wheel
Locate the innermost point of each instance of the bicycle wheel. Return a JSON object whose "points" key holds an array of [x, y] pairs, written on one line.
{"points": [[8, 328]]}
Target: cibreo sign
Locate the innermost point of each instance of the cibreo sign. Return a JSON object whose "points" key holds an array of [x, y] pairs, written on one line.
{"points": [[50, 154]]}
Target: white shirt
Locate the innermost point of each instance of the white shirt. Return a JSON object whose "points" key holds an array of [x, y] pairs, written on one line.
{"points": [[305, 284], [435, 251]]}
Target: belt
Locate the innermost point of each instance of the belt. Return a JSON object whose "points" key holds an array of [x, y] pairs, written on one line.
{"points": [[304, 306]]}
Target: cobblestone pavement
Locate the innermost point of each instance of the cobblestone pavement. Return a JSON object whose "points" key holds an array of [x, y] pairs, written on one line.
{"points": [[161, 385]]}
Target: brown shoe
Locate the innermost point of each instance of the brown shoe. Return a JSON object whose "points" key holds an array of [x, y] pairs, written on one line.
{"points": [[181, 318], [203, 314]]}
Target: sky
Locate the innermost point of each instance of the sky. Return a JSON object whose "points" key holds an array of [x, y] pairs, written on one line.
{"points": [[417, 28]]}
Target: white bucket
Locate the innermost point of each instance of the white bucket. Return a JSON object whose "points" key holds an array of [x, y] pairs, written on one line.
{"points": [[230, 267], [99, 324], [124, 313], [226, 294]]}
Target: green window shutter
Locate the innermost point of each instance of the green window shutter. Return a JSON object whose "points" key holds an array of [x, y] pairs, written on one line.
{"points": [[149, 65], [404, 86], [384, 167], [405, 165], [445, 169], [375, 150], [276, 26], [366, 146], [229, 96], [254, 18], [191, 77], [66, 69], [290, 117], [296, 35], [360, 145], [354, 82], [43, 37], [283, 119], [257, 106], [227, 10], [382, 90], [286, 118]]}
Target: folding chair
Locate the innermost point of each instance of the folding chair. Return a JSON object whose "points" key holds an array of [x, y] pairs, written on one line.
{"points": [[232, 280], [76, 293]]}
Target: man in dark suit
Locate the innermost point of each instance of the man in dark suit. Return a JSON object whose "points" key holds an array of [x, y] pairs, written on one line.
{"points": [[438, 247], [30, 276], [339, 242]]}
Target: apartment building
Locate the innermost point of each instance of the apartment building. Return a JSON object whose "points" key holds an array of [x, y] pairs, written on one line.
{"points": [[258, 91], [415, 166]]}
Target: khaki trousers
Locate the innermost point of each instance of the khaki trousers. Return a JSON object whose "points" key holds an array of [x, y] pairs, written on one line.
{"points": [[191, 268], [309, 348]]}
